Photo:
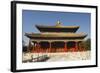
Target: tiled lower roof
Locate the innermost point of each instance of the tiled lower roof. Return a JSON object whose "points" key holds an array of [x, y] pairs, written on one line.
{"points": [[55, 35]]}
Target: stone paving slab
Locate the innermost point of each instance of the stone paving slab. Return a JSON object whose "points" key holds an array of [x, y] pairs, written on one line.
{"points": [[69, 56]]}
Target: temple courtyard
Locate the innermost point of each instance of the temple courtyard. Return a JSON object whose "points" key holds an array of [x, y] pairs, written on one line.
{"points": [[53, 57]]}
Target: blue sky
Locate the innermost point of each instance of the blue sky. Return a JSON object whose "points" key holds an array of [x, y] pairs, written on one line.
{"points": [[30, 18]]}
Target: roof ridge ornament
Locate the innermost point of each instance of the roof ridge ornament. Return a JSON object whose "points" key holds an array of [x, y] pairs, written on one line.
{"points": [[58, 23]]}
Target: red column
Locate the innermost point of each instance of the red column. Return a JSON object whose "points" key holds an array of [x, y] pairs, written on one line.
{"points": [[76, 46], [38, 47], [30, 46], [35, 48], [50, 47], [65, 48]]}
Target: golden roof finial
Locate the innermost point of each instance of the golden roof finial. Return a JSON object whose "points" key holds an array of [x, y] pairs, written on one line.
{"points": [[58, 23]]}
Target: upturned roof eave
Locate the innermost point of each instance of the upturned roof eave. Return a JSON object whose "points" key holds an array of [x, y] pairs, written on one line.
{"points": [[46, 26], [50, 36]]}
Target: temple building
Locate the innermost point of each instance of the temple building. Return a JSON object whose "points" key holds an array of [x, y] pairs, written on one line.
{"points": [[57, 38]]}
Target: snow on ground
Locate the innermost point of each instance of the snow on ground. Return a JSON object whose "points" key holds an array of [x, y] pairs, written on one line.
{"points": [[66, 56]]}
